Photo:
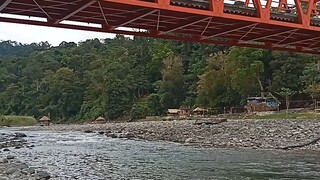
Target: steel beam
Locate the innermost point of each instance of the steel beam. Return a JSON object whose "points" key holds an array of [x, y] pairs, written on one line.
{"points": [[300, 41], [135, 17], [271, 34], [40, 7], [103, 14], [185, 24], [146, 34], [229, 30], [5, 4], [81, 6]]}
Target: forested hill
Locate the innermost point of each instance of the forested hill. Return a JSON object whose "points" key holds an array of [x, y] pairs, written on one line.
{"points": [[122, 77]]}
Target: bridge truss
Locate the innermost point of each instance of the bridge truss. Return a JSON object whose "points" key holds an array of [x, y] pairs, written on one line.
{"points": [[265, 24]]}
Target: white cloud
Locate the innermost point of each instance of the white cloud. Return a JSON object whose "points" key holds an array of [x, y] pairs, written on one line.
{"points": [[29, 33]]}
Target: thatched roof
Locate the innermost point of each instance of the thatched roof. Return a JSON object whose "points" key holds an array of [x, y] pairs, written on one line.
{"points": [[199, 109], [173, 111], [100, 118], [44, 118]]}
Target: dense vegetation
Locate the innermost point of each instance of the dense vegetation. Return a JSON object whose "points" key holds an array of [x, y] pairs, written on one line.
{"points": [[17, 121], [124, 77]]}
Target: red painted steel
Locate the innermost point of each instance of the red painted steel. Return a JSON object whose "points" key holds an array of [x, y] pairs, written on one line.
{"points": [[251, 23]]}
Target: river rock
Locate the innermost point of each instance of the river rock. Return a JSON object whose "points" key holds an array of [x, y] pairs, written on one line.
{"points": [[189, 140], [11, 170], [6, 150], [20, 134], [10, 157], [112, 135], [3, 160], [42, 175], [17, 175], [4, 178], [23, 166], [88, 131], [29, 170]]}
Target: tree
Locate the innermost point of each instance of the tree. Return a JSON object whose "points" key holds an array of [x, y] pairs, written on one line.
{"points": [[311, 80], [173, 81], [287, 68], [214, 85], [287, 93], [250, 68]]}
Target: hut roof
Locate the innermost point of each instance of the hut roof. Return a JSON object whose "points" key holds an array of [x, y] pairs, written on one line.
{"points": [[173, 111], [44, 118], [100, 118], [199, 109]]}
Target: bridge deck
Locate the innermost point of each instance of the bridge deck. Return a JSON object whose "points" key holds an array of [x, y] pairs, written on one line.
{"points": [[186, 20]]}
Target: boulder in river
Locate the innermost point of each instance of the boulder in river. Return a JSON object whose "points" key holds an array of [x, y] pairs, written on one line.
{"points": [[88, 131], [10, 157], [17, 134]]}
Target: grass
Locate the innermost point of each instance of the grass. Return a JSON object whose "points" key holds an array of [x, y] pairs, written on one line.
{"points": [[288, 116], [17, 121]]}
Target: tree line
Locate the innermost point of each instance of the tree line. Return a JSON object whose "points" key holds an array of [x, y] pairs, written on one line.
{"points": [[131, 78]]}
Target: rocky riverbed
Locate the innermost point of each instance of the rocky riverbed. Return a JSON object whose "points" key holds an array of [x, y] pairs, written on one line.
{"points": [[253, 134], [12, 140], [10, 166]]}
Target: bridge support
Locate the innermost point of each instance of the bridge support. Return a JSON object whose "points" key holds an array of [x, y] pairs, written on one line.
{"points": [[4, 4], [212, 22]]}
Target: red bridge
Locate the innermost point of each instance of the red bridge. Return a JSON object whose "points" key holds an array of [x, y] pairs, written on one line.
{"points": [[267, 24]]}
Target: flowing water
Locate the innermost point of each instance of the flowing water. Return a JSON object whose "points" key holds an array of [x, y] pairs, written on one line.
{"points": [[76, 155]]}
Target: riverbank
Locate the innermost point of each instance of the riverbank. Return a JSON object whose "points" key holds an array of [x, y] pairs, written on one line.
{"points": [[254, 134]]}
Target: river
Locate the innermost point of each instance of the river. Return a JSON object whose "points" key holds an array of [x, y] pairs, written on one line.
{"points": [[77, 155]]}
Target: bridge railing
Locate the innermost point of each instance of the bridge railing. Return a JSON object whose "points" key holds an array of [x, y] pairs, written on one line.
{"points": [[297, 11]]}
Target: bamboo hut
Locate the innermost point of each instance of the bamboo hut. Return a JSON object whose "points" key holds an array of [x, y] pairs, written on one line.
{"points": [[44, 121], [100, 120]]}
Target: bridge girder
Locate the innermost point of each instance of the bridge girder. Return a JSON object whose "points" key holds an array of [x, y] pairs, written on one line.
{"points": [[221, 24]]}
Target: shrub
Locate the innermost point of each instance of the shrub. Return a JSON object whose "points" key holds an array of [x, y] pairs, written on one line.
{"points": [[17, 121]]}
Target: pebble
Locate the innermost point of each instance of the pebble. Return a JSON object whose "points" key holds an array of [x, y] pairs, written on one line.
{"points": [[42, 175]]}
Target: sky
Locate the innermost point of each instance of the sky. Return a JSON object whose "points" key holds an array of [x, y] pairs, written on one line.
{"points": [[29, 34]]}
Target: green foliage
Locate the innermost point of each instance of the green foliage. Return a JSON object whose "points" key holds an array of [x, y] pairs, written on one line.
{"points": [[287, 69], [17, 121], [139, 111], [154, 105], [137, 77], [172, 85], [247, 77], [214, 84], [311, 80]]}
